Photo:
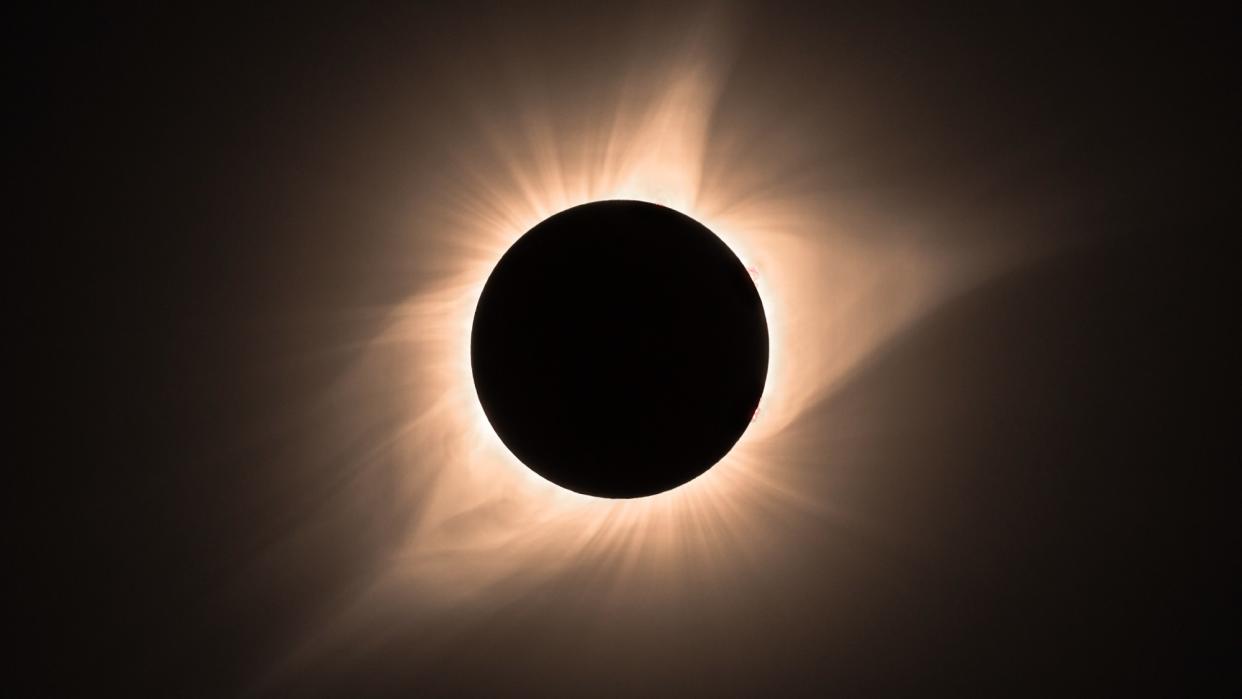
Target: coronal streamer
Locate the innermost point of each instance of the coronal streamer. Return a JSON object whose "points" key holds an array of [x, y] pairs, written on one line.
{"points": [[486, 529]]}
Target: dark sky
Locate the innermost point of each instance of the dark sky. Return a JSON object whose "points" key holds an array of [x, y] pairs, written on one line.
{"points": [[218, 196]]}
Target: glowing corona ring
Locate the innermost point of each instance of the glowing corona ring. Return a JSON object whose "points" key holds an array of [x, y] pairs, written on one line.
{"points": [[832, 286]]}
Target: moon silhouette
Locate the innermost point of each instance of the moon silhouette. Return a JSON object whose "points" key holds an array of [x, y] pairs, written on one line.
{"points": [[619, 349]]}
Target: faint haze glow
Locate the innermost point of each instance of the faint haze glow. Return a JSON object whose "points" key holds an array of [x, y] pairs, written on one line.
{"points": [[487, 528]]}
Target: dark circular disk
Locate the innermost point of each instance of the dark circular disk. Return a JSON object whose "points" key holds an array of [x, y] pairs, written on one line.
{"points": [[619, 349]]}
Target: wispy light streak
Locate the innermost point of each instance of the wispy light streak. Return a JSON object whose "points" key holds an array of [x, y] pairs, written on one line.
{"points": [[487, 528]]}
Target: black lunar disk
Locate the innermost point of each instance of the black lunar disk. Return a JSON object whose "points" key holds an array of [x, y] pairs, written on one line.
{"points": [[619, 349]]}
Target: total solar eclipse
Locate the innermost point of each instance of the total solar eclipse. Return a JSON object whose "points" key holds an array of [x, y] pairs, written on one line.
{"points": [[619, 349]]}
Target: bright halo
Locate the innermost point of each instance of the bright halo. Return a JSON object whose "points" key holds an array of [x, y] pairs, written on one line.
{"points": [[832, 291]]}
